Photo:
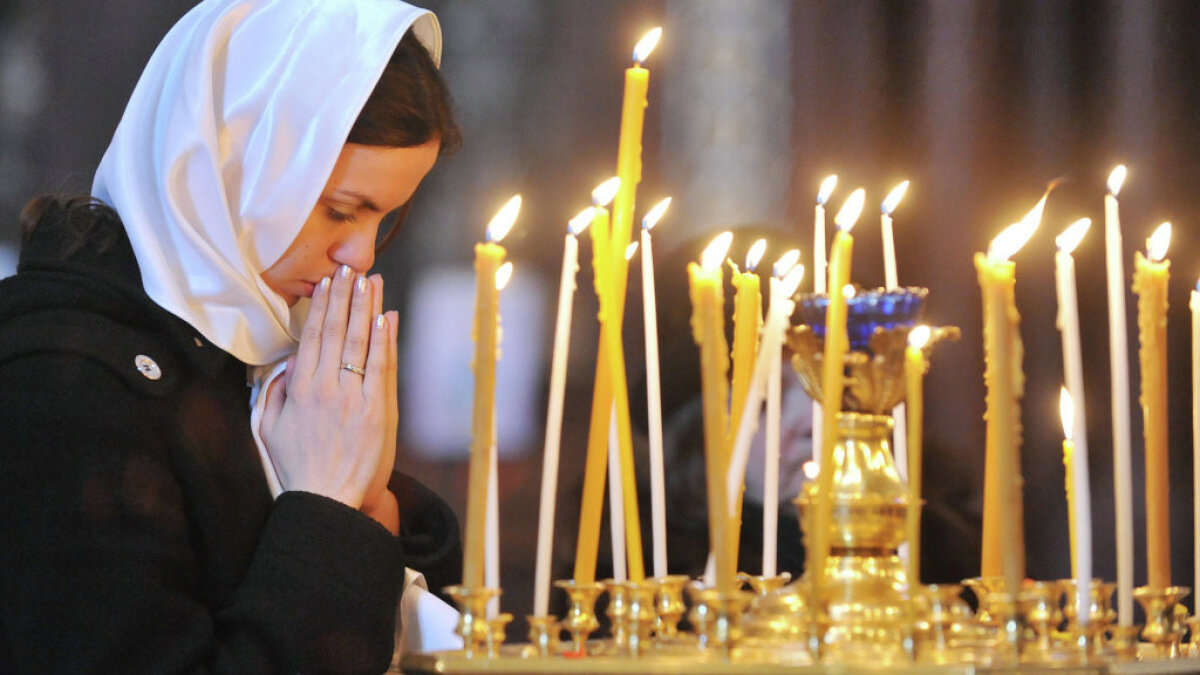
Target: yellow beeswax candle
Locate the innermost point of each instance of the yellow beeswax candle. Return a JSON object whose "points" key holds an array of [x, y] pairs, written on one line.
{"points": [[915, 367], [837, 343], [708, 330], [1150, 276], [488, 257], [747, 325]]}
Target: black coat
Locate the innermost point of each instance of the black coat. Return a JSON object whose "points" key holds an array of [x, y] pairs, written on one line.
{"points": [[137, 531]]}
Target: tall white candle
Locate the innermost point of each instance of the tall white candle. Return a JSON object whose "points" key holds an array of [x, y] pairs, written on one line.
{"points": [[554, 411], [820, 281], [1119, 364], [658, 500], [491, 555], [781, 310], [890, 281], [1195, 307], [616, 500], [1068, 324]]}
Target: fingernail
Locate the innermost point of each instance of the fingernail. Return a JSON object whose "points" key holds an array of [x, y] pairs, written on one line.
{"points": [[345, 271], [361, 286], [324, 284], [380, 321]]}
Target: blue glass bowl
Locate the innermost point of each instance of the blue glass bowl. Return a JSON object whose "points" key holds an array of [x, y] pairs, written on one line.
{"points": [[866, 311]]}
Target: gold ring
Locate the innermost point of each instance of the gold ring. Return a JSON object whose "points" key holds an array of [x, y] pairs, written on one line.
{"points": [[354, 369]]}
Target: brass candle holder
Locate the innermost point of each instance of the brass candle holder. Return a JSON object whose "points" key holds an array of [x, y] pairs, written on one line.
{"points": [[1193, 624], [641, 616], [543, 635], [1123, 640], [473, 625], [762, 585], [723, 610], [618, 613], [776, 627], [668, 599], [497, 632], [1162, 629], [1039, 605], [943, 632], [580, 620], [1090, 639]]}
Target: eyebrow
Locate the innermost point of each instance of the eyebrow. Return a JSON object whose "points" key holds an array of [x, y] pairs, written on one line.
{"points": [[364, 200]]}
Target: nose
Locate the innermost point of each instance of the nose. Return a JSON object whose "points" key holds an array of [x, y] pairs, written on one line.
{"points": [[356, 248]]}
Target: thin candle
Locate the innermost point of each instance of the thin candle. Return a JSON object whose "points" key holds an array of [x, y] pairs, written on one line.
{"points": [[1118, 353], [1077, 477], [820, 279], [899, 418], [1194, 305], [1066, 411], [1150, 278], [488, 258], [554, 410], [491, 567], [658, 503], [915, 367]]}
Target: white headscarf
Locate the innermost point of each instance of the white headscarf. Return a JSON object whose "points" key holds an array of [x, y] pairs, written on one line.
{"points": [[227, 142]]}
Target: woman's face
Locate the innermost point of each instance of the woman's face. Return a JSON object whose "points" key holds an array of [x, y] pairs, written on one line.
{"points": [[367, 183]]}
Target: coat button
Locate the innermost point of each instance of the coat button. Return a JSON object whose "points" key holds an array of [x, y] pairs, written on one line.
{"points": [[147, 367]]}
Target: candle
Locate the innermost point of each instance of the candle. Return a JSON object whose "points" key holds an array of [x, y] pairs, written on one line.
{"points": [[1118, 354], [1195, 307], [554, 410], [1077, 477], [488, 258], [819, 281], [747, 324], [1150, 284], [915, 367], [1066, 411], [837, 343], [886, 209], [595, 465], [658, 503], [616, 502], [707, 295], [1003, 520]]}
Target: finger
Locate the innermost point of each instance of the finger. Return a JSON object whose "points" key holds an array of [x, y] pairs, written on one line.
{"points": [[310, 337], [333, 330], [374, 381], [393, 321], [276, 394], [377, 282], [358, 330]]}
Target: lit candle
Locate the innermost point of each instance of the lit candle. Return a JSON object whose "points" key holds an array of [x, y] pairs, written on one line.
{"points": [[596, 462], [915, 367], [1195, 307], [747, 324], [708, 329], [1118, 353], [1077, 470], [1150, 284], [658, 502], [488, 257], [491, 573], [1066, 411], [1003, 520], [820, 278], [837, 343], [886, 209], [554, 410]]}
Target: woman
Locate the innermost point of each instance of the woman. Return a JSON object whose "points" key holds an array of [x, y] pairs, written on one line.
{"points": [[152, 522]]}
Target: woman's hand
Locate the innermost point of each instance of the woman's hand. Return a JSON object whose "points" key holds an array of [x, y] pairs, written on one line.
{"points": [[330, 430]]}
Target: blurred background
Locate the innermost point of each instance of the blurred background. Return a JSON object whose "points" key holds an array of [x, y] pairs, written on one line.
{"points": [[751, 104]]}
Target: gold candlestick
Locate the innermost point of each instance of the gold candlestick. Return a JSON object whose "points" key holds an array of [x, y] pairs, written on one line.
{"points": [[762, 585], [580, 620], [497, 632], [473, 625], [618, 613], [543, 635], [669, 603], [1162, 627], [641, 615]]}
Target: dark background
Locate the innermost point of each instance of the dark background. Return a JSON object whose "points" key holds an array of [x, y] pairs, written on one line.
{"points": [[752, 103]]}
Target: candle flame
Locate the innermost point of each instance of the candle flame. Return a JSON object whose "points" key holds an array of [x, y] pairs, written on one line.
{"points": [[1013, 237], [791, 281], [786, 262], [580, 222], [1116, 179], [1066, 411], [826, 189], [504, 275], [606, 191], [630, 250], [919, 337], [851, 210], [646, 45], [893, 199], [1070, 238], [755, 254], [715, 252], [1156, 245], [811, 470], [655, 214], [503, 221]]}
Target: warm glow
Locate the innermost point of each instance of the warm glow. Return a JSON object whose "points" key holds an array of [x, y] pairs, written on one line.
{"points": [[630, 250], [919, 337], [755, 254], [811, 470], [851, 210], [606, 191], [1116, 179], [504, 275], [893, 199], [503, 221], [826, 188], [1156, 245], [646, 45], [848, 291], [579, 223], [715, 252], [655, 214], [1013, 237], [1066, 410], [791, 282], [1070, 238], [786, 262]]}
